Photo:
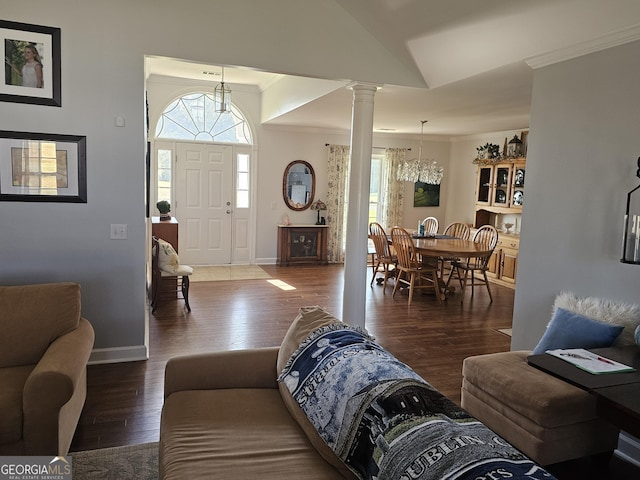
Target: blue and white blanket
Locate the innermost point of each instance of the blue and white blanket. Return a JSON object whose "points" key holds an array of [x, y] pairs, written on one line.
{"points": [[385, 422]]}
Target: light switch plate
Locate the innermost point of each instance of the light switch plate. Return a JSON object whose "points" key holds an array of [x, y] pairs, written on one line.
{"points": [[118, 231]]}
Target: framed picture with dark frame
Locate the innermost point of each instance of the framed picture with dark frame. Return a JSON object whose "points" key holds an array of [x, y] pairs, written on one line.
{"points": [[42, 167], [31, 64], [426, 195]]}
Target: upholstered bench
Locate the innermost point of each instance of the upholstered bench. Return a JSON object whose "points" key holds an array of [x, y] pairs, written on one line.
{"points": [[545, 417]]}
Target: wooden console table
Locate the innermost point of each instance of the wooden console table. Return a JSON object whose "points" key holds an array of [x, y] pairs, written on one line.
{"points": [[302, 244]]}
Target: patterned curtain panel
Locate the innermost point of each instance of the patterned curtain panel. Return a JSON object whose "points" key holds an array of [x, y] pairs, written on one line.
{"points": [[337, 196], [392, 198]]}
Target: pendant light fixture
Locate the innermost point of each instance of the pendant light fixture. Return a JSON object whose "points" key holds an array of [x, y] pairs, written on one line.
{"points": [[417, 170], [222, 96]]}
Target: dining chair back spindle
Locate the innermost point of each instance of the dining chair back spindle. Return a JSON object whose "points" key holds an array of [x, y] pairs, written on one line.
{"points": [[384, 257], [465, 269], [413, 272]]}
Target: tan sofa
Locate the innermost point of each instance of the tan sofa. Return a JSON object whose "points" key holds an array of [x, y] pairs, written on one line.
{"points": [[44, 348], [226, 416]]}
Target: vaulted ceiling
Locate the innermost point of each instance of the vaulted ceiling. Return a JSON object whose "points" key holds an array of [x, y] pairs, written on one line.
{"points": [[474, 61]]}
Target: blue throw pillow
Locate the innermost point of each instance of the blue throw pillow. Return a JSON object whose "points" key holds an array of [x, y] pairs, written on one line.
{"points": [[572, 330]]}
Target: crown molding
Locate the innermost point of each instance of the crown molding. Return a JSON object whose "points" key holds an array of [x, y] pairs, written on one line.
{"points": [[603, 42]]}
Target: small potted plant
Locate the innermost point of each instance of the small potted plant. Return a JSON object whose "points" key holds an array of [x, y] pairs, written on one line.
{"points": [[164, 208]]}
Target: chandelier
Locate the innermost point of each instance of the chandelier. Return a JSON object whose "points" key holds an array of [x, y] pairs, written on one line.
{"points": [[222, 96], [418, 170]]}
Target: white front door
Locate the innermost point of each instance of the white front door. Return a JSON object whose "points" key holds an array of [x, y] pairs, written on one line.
{"points": [[204, 203]]}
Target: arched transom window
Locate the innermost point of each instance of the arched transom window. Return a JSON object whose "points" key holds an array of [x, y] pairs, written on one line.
{"points": [[194, 117]]}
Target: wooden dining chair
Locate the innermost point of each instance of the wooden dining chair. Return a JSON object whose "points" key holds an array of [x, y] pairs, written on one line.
{"points": [[166, 270], [457, 230], [430, 225], [413, 272], [466, 269], [384, 257]]}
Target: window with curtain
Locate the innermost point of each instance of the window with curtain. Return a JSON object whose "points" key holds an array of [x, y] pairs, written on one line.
{"points": [[376, 202], [386, 196]]}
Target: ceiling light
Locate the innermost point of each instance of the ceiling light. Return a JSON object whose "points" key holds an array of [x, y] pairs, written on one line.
{"points": [[222, 96], [417, 170]]}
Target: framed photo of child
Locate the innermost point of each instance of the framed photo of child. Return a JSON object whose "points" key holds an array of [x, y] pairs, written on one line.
{"points": [[31, 64]]}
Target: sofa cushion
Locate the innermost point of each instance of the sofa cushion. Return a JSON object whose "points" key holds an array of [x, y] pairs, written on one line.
{"points": [[235, 433], [12, 380], [308, 320], [603, 310], [572, 330], [33, 316]]}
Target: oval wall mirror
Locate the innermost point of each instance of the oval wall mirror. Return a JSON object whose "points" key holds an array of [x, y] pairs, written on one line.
{"points": [[298, 185]]}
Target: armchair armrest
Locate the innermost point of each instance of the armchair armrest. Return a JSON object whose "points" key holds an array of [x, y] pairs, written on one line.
{"points": [[252, 368], [54, 380]]}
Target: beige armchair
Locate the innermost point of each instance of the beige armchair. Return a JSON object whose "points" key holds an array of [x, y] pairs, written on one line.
{"points": [[44, 349]]}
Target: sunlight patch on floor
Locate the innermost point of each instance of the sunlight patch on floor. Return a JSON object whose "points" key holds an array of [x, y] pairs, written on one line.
{"points": [[281, 285]]}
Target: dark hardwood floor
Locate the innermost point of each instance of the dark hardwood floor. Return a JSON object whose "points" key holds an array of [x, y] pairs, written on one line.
{"points": [[124, 400]]}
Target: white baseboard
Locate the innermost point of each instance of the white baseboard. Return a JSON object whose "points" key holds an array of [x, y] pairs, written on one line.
{"points": [[119, 354], [628, 449], [265, 261]]}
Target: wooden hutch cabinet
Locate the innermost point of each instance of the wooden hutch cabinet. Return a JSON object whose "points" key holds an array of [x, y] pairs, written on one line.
{"points": [[500, 192], [302, 244]]}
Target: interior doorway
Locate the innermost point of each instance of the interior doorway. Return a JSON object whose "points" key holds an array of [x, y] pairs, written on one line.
{"points": [[204, 166]]}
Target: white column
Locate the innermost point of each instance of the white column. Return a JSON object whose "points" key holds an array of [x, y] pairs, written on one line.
{"points": [[355, 263]]}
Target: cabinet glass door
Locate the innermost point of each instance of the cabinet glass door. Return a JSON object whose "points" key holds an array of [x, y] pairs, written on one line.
{"points": [[502, 182], [518, 186], [483, 192]]}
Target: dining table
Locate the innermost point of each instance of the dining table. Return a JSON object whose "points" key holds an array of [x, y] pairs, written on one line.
{"points": [[443, 246]]}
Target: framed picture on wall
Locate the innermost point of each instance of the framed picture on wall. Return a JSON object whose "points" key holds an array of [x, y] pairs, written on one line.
{"points": [[40, 167], [426, 195], [31, 64]]}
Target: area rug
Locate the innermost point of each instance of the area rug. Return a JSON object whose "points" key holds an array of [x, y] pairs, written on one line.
{"points": [[219, 273], [131, 462]]}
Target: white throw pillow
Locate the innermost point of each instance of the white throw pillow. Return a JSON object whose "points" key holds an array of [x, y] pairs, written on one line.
{"points": [[603, 310], [168, 260]]}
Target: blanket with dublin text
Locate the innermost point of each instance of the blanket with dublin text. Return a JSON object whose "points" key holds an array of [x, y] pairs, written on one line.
{"points": [[385, 422]]}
